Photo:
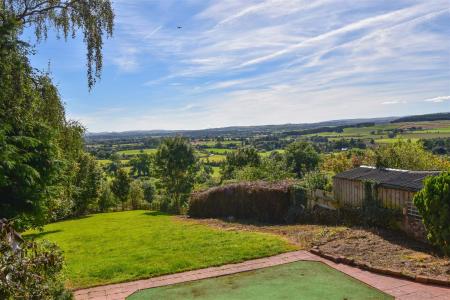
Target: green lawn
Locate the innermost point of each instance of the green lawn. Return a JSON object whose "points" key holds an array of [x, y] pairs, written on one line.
{"points": [[299, 280], [123, 246]]}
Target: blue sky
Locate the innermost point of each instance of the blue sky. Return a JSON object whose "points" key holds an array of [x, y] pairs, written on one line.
{"points": [[258, 62]]}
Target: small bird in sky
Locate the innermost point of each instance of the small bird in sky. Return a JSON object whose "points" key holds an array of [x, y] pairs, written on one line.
{"points": [[179, 27]]}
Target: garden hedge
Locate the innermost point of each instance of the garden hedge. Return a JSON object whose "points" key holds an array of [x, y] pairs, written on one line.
{"points": [[259, 201]]}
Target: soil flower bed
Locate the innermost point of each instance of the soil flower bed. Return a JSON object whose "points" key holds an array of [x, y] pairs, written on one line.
{"points": [[383, 249]]}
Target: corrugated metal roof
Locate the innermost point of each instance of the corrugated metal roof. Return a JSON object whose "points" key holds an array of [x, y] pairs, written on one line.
{"points": [[393, 178]]}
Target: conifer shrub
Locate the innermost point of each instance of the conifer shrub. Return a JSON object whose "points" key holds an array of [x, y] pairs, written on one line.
{"points": [[433, 203]]}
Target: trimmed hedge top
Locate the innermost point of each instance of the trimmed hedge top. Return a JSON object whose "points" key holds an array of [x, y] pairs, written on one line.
{"points": [[259, 201]]}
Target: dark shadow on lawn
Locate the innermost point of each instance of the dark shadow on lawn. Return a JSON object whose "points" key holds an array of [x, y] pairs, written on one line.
{"points": [[40, 234], [249, 222], [157, 213], [73, 218]]}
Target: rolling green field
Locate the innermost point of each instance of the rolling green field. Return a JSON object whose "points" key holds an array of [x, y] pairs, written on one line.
{"points": [[380, 133], [267, 153], [216, 172], [219, 150], [122, 246], [413, 131], [213, 158], [213, 143], [136, 151], [104, 162], [298, 280]]}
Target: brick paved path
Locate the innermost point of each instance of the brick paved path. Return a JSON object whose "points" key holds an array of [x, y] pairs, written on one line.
{"points": [[400, 288]]}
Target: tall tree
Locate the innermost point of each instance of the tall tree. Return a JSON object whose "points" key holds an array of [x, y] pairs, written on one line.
{"points": [[136, 194], [106, 199], [176, 167], [149, 191], [121, 186], [246, 156], [88, 183], [302, 157], [140, 165], [114, 165], [39, 147], [33, 165]]}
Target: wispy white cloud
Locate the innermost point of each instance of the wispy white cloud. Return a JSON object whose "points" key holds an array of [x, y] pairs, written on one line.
{"points": [[390, 102], [126, 59], [278, 61], [439, 99]]}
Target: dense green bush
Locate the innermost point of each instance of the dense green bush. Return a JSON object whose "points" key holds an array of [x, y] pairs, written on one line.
{"points": [[318, 181], [121, 185], [257, 201], [270, 169], [302, 157], [149, 191], [433, 203], [40, 148], [136, 194], [246, 156], [408, 155], [107, 200], [30, 270]]}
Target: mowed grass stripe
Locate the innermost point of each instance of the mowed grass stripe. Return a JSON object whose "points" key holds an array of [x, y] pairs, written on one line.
{"points": [[123, 246]]}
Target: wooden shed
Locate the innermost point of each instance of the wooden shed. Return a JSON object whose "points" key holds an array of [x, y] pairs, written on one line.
{"points": [[395, 188]]}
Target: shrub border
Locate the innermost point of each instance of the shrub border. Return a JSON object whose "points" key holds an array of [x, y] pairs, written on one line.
{"points": [[368, 267]]}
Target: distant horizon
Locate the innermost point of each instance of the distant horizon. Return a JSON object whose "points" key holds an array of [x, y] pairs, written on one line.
{"points": [[257, 125], [210, 64], [261, 125]]}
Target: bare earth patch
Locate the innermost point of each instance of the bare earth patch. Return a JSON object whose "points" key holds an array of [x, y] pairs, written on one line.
{"points": [[389, 250], [380, 248]]}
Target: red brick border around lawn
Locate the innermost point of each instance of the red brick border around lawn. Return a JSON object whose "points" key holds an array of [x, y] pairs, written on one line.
{"points": [[397, 287]]}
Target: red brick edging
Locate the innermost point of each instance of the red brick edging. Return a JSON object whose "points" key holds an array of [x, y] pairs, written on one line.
{"points": [[400, 288], [369, 267]]}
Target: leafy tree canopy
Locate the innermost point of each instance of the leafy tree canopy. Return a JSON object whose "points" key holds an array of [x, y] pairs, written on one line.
{"points": [[121, 186], [302, 157], [94, 18], [38, 146], [408, 155], [246, 156]]}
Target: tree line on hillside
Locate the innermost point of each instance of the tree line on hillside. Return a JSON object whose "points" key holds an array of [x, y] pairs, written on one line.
{"points": [[304, 161], [421, 118], [440, 146]]}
